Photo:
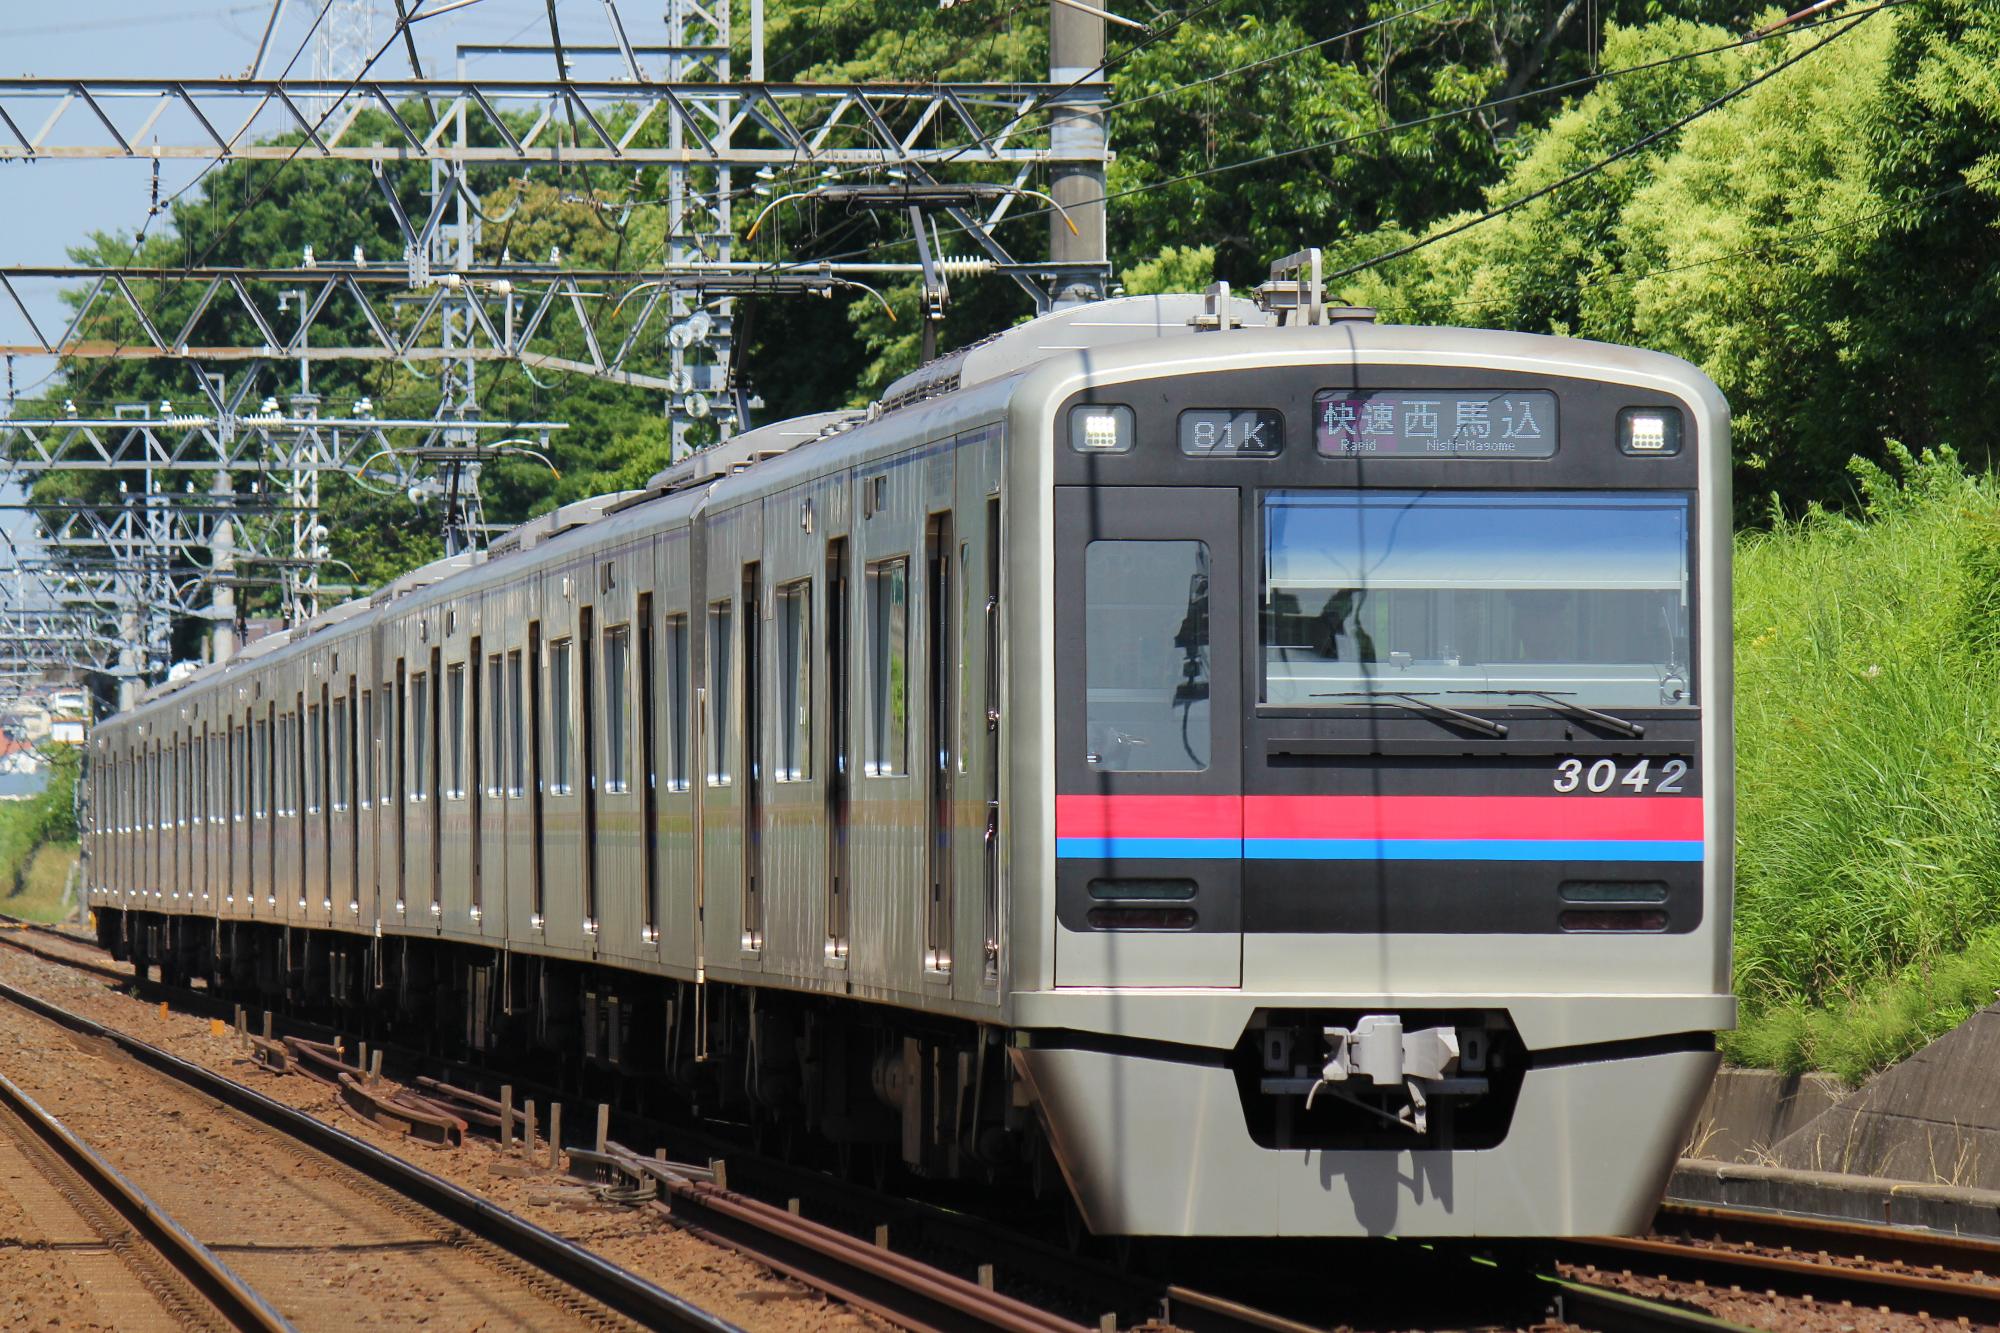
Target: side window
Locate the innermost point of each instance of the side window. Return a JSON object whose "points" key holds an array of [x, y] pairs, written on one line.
{"points": [[342, 779], [795, 682], [617, 657], [496, 726], [315, 747], [420, 735], [368, 749], [560, 779], [720, 643], [517, 746], [888, 631], [1146, 656], [454, 741], [677, 702]]}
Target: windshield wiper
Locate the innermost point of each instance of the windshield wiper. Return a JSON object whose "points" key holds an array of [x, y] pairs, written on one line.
{"points": [[1555, 700], [1419, 703]]}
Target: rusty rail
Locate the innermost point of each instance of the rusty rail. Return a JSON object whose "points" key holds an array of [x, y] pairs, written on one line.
{"points": [[567, 1262], [905, 1291], [234, 1299], [1942, 1297]]}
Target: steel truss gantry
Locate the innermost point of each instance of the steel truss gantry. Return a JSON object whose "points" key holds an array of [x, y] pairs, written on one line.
{"points": [[720, 123], [135, 564]]}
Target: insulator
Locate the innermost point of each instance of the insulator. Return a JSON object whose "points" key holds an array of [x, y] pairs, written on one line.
{"points": [[964, 266]]}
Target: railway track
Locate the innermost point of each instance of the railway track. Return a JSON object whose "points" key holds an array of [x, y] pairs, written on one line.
{"points": [[1833, 1262], [321, 1221], [78, 1220], [924, 1293]]}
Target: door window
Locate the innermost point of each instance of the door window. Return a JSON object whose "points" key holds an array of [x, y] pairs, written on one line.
{"points": [[1146, 655]]}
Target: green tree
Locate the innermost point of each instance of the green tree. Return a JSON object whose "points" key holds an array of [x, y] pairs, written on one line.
{"points": [[1824, 245]]}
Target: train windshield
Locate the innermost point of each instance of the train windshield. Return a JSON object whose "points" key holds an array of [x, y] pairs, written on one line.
{"points": [[1476, 599]]}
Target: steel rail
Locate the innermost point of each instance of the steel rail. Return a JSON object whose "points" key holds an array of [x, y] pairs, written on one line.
{"points": [[1873, 1241], [1942, 1297], [1596, 1307], [11, 930], [1608, 1311], [569, 1263], [233, 1298], [908, 1292]]}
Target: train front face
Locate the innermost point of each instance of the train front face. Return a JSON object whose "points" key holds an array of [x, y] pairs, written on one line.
{"points": [[1382, 800]]}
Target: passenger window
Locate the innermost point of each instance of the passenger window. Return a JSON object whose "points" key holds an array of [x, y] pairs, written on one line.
{"points": [[677, 703], [559, 718], [617, 646], [454, 711], [369, 749], [339, 754], [888, 667], [315, 783], [496, 726], [517, 750], [795, 681], [719, 644], [420, 717], [1146, 656]]}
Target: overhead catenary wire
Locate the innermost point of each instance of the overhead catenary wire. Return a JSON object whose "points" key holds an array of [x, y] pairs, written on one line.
{"points": [[1418, 122], [1637, 145], [1756, 248], [1341, 141], [159, 207]]}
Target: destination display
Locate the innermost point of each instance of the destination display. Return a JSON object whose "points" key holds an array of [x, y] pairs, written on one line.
{"points": [[1232, 432], [1431, 423]]}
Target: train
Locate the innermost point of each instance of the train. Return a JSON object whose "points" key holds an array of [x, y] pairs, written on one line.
{"points": [[1242, 766]]}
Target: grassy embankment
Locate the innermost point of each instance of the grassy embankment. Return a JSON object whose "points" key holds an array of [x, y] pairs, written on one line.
{"points": [[1868, 762], [38, 846]]}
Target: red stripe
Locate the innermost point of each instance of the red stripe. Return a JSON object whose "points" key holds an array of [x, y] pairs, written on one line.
{"points": [[1578, 816], [1149, 816], [1554, 816]]}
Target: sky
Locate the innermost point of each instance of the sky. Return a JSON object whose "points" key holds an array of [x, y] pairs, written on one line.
{"points": [[47, 207]]}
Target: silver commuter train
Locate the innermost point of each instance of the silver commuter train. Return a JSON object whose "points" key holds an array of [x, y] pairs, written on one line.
{"points": [[1272, 777]]}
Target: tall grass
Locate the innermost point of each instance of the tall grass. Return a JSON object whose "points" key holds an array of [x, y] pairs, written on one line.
{"points": [[47, 819], [1868, 762]]}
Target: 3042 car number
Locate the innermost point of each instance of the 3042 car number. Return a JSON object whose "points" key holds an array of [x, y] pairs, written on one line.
{"points": [[1602, 775]]}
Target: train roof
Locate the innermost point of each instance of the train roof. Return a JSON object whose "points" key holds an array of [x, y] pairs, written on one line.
{"points": [[1121, 334]]}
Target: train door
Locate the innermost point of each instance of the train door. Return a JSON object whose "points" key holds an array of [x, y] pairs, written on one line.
{"points": [[457, 834], [648, 667], [840, 748], [430, 738], [493, 812], [941, 649], [1149, 833], [399, 793], [753, 759], [477, 761], [242, 866], [196, 778], [537, 780], [588, 727], [368, 797], [319, 802], [523, 774], [347, 797], [265, 826]]}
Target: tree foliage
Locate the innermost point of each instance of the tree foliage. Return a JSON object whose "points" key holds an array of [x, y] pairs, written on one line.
{"points": [[1824, 246]]}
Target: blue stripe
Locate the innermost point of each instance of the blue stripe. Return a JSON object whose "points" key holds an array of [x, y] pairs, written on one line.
{"points": [[1149, 849], [1470, 849], [1378, 849]]}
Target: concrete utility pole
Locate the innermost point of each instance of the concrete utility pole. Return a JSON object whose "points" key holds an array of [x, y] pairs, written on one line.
{"points": [[1076, 129]]}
